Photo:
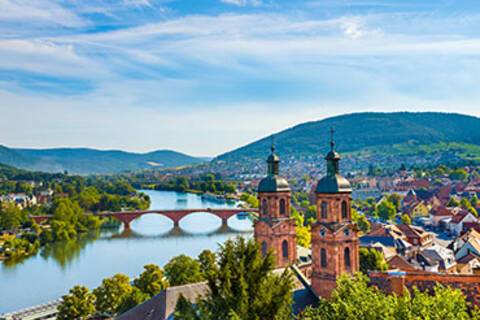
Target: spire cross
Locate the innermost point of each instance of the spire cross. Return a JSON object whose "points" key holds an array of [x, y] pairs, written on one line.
{"points": [[332, 143]]}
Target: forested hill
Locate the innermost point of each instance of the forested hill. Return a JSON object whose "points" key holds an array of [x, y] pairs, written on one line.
{"points": [[91, 161], [401, 132]]}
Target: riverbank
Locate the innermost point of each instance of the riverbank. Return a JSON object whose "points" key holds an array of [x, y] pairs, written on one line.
{"points": [[89, 258]]}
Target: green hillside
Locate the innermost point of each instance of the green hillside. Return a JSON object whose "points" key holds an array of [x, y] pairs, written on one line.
{"points": [[374, 134], [91, 161]]}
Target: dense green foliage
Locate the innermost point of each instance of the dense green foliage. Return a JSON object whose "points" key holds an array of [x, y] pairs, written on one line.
{"points": [[371, 260], [91, 161], [72, 199], [354, 299], [151, 281], [183, 269], [244, 287], [205, 183], [79, 304], [111, 294]]}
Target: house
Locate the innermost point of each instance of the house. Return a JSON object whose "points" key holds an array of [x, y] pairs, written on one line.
{"points": [[469, 264], [466, 244], [400, 263], [416, 235], [441, 213], [418, 209], [388, 236], [456, 225], [437, 258]]}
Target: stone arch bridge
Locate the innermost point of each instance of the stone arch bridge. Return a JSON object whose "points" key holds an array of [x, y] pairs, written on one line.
{"points": [[126, 217]]}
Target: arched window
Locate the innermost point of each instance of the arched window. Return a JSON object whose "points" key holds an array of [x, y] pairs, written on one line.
{"points": [[283, 209], [285, 249], [264, 248], [323, 258], [344, 210], [346, 257], [324, 210], [264, 207]]}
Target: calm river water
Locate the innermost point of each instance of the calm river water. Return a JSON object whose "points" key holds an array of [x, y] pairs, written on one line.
{"points": [[54, 270]]}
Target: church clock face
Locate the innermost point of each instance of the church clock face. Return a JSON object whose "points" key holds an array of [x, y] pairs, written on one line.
{"points": [[322, 233]]}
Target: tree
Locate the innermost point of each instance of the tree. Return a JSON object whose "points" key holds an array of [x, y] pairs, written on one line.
{"points": [[183, 269], [151, 281], [396, 199], [207, 262], [386, 210], [406, 219], [371, 260], [111, 294], [134, 298], [244, 287], [453, 202], [459, 174], [474, 201], [303, 232], [79, 303], [353, 299], [11, 217], [361, 221]]}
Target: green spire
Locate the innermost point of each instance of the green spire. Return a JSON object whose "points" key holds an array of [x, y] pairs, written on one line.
{"points": [[333, 158], [273, 160]]}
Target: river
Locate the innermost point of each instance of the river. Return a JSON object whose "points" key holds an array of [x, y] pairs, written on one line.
{"points": [[152, 239]]}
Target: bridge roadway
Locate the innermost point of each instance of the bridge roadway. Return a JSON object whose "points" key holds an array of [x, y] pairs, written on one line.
{"points": [[126, 217]]}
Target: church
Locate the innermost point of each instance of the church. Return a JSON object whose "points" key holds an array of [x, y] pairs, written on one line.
{"points": [[335, 243]]}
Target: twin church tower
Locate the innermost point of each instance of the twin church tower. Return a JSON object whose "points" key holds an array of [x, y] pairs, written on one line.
{"points": [[334, 236]]}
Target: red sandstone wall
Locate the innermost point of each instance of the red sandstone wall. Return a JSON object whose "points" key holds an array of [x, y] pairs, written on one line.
{"points": [[468, 284]]}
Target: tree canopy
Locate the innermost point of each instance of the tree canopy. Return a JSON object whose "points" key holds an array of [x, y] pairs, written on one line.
{"points": [[243, 288]]}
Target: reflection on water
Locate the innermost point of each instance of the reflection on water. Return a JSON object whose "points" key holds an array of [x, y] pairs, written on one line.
{"points": [[94, 256]]}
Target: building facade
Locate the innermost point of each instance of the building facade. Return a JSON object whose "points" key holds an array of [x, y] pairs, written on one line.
{"points": [[335, 244], [275, 228]]}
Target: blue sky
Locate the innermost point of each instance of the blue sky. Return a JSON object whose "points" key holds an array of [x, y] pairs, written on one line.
{"points": [[206, 76]]}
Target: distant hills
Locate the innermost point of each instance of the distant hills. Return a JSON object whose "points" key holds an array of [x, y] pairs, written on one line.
{"points": [[91, 161], [374, 136]]}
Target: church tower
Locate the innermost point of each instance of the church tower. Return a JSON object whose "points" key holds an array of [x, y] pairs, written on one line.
{"points": [[334, 236], [275, 228]]}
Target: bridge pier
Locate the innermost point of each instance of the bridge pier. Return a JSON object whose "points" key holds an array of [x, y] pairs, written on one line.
{"points": [[126, 225], [176, 224], [224, 221]]}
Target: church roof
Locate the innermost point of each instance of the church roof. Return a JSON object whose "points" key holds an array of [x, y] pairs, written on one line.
{"points": [[273, 182], [333, 182]]}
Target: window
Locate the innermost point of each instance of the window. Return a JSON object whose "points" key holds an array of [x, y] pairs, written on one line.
{"points": [[264, 207], [346, 257], [344, 210], [323, 258], [324, 210], [282, 206], [264, 248], [285, 249]]}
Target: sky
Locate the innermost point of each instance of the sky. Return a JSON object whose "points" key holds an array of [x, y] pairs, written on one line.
{"points": [[207, 76]]}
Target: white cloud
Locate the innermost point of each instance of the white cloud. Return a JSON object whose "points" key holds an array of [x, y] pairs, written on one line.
{"points": [[45, 11], [138, 3], [243, 3]]}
